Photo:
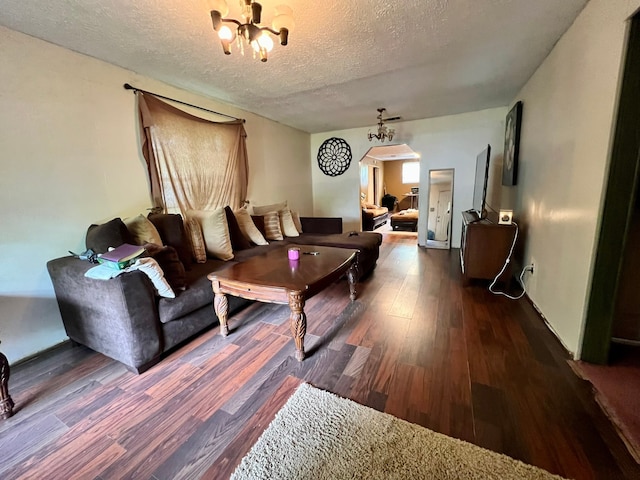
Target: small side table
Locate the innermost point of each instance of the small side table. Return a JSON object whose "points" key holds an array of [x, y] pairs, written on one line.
{"points": [[6, 403], [412, 196]]}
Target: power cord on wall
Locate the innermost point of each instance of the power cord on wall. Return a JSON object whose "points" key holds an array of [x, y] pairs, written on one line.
{"points": [[528, 268]]}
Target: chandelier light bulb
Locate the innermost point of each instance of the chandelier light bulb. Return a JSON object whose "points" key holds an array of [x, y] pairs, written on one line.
{"points": [[265, 41], [226, 34], [219, 5]]}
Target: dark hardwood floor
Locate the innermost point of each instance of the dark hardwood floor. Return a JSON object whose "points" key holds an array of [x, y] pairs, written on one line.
{"points": [[415, 344]]}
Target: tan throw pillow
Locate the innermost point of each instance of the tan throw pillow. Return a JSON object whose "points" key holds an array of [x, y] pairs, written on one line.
{"points": [[262, 209], [272, 226], [296, 221], [215, 232], [197, 242], [248, 228], [142, 230], [286, 224]]}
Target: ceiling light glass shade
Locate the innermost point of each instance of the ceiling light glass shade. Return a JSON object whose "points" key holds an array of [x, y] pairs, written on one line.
{"points": [[284, 10], [283, 21], [264, 41], [226, 33], [219, 5]]}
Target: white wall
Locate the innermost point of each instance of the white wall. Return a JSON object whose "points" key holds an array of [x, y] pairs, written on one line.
{"points": [[444, 142], [70, 156], [568, 113]]}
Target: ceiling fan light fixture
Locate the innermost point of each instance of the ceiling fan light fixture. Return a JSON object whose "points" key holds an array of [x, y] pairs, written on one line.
{"points": [[384, 133], [248, 32]]}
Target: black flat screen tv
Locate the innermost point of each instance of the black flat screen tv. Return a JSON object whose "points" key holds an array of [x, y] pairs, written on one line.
{"points": [[480, 182]]}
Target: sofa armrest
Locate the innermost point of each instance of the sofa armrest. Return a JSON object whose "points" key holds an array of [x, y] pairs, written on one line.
{"points": [[321, 224], [116, 317]]}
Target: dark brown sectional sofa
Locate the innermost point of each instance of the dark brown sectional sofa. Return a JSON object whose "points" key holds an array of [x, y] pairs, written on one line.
{"points": [[124, 319]]}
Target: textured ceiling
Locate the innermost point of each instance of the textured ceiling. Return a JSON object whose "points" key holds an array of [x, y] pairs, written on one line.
{"points": [[417, 58]]}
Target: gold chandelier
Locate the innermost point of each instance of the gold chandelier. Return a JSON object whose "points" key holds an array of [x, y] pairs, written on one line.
{"points": [[383, 132], [248, 32]]}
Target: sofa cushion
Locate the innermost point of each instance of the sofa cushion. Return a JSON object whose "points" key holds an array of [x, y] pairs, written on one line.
{"points": [[257, 250], [367, 243], [142, 230], [238, 240], [376, 211], [197, 295], [362, 240], [111, 234], [215, 231], [167, 258], [173, 232]]}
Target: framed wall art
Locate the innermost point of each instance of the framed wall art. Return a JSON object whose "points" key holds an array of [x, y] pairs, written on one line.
{"points": [[512, 145], [334, 156]]}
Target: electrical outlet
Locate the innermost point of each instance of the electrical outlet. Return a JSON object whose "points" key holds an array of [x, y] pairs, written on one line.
{"points": [[532, 266]]}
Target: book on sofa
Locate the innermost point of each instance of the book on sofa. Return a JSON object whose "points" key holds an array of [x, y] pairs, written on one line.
{"points": [[122, 256]]}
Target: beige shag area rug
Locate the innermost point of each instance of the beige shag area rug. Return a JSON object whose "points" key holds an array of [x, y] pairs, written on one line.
{"points": [[322, 436]]}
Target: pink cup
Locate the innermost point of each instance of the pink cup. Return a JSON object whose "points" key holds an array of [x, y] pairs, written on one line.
{"points": [[294, 253]]}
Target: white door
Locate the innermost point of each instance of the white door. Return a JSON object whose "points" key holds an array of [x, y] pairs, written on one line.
{"points": [[443, 213]]}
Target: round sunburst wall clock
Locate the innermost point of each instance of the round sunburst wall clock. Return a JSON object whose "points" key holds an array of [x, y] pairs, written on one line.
{"points": [[334, 156]]}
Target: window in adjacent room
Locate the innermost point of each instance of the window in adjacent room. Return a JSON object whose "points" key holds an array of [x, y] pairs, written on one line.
{"points": [[411, 172]]}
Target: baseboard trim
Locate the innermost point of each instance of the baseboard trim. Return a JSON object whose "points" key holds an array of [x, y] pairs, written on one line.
{"points": [[569, 353], [65, 343]]}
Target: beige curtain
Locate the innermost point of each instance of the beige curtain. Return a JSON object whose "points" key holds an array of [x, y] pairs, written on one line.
{"points": [[193, 163]]}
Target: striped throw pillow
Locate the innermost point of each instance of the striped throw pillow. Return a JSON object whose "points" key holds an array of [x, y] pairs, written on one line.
{"points": [[272, 226]]}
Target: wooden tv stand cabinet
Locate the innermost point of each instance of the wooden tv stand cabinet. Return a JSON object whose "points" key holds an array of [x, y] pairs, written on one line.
{"points": [[484, 247]]}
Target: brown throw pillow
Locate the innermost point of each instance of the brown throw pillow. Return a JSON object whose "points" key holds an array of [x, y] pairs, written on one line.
{"points": [[238, 240], [111, 234], [172, 231], [167, 258]]}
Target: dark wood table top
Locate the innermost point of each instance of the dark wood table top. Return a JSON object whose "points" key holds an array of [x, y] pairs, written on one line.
{"points": [[274, 270]]}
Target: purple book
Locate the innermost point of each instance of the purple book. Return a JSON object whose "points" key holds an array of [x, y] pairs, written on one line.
{"points": [[123, 253]]}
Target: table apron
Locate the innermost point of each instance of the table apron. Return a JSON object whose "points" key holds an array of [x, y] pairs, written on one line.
{"points": [[256, 292]]}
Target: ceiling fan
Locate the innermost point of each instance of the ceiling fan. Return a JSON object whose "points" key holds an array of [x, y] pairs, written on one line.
{"points": [[389, 119]]}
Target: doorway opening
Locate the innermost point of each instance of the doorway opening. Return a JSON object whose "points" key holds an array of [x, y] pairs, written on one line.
{"points": [[389, 189], [440, 203]]}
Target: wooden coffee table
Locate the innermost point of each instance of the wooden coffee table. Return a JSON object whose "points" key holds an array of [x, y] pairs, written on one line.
{"points": [[273, 278]]}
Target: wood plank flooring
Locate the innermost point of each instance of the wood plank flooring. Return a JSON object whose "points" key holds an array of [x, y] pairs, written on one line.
{"points": [[415, 344]]}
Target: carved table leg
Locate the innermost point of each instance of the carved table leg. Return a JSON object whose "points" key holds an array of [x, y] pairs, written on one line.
{"points": [[221, 306], [6, 403], [298, 322], [352, 277]]}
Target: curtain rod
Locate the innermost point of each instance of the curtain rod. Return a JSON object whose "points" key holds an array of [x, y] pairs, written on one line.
{"points": [[136, 89]]}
